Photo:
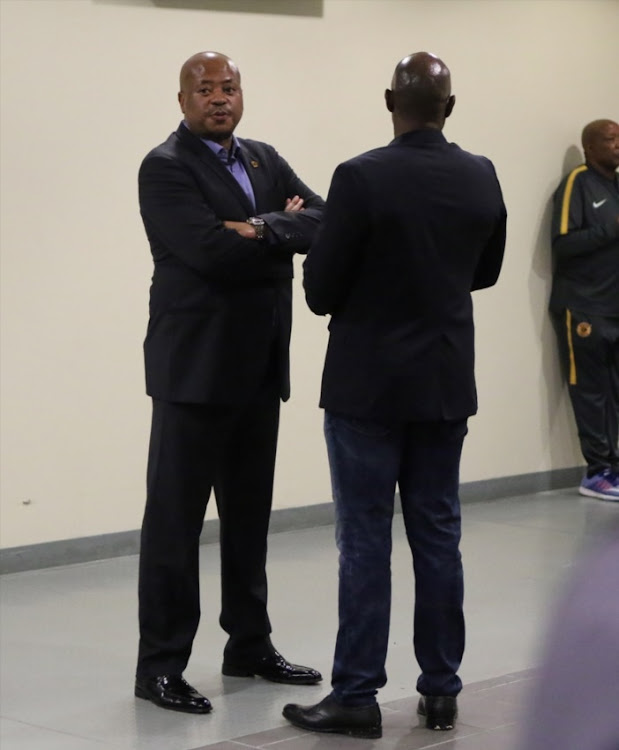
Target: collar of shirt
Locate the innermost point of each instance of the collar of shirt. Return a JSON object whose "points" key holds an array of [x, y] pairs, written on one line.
{"points": [[227, 157], [224, 155]]}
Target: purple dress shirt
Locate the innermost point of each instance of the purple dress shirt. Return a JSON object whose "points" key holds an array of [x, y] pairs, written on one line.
{"points": [[232, 162]]}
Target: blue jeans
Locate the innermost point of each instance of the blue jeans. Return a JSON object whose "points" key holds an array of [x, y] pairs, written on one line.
{"points": [[367, 461]]}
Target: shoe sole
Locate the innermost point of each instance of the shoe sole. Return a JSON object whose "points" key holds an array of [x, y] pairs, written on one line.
{"points": [[229, 671], [139, 693], [437, 726], [600, 495]]}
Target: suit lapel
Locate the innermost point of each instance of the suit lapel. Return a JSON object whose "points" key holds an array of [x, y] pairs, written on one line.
{"points": [[214, 166]]}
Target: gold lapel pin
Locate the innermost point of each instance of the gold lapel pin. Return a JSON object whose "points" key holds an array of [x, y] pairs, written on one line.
{"points": [[254, 164]]}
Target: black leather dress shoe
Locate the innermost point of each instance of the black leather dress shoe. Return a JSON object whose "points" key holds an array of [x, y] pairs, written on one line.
{"points": [[331, 716], [440, 711], [273, 668], [169, 691]]}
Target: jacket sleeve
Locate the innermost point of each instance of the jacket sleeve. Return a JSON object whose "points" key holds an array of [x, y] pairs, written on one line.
{"points": [[329, 267], [491, 260], [293, 230], [181, 225], [571, 235]]}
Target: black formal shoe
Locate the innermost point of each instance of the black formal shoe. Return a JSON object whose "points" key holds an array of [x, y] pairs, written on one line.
{"points": [[168, 691], [273, 668], [440, 711], [331, 716]]}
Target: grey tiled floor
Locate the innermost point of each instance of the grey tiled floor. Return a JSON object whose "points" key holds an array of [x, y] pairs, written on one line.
{"points": [[68, 638]]}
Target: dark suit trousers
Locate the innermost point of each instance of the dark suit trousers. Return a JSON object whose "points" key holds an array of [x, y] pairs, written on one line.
{"points": [[193, 449]]}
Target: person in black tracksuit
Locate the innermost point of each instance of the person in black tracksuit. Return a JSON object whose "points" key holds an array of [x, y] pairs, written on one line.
{"points": [[584, 303]]}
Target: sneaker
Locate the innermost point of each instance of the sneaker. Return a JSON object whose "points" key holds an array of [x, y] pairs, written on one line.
{"points": [[604, 485]]}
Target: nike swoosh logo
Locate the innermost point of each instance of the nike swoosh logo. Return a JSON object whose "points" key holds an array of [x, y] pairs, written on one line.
{"points": [[597, 204]]}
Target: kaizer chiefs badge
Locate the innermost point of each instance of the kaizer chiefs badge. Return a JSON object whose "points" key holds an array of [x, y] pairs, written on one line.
{"points": [[583, 330]]}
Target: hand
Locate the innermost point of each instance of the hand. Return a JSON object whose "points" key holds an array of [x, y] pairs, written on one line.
{"points": [[294, 204], [243, 228]]}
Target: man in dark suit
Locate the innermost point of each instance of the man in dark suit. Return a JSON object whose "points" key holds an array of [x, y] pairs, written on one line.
{"points": [[409, 231], [224, 217]]}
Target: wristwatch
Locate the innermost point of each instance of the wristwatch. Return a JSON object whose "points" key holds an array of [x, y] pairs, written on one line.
{"points": [[258, 224]]}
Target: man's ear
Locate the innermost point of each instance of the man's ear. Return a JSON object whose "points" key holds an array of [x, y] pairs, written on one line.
{"points": [[451, 103], [181, 101], [389, 99]]}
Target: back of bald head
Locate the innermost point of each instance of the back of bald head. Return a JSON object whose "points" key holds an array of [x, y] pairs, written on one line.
{"points": [[594, 131], [421, 89], [198, 63]]}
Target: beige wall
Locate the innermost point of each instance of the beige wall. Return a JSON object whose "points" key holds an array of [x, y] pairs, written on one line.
{"points": [[88, 86]]}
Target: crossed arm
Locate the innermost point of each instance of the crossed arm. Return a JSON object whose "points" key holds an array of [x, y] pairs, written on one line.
{"points": [[246, 230], [180, 224], [571, 234]]}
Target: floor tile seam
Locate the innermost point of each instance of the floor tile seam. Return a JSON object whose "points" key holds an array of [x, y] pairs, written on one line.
{"points": [[455, 738], [475, 731], [524, 676], [472, 687], [505, 526], [529, 525], [227, 742], [509, 698], [484, 729], [498, 700], [279, 742], [59, 732], [498, 686], [521, 676], [448, 738]]}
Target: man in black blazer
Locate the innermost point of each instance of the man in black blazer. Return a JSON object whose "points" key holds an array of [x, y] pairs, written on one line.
{"points": [[224, 217], [409, 231]]}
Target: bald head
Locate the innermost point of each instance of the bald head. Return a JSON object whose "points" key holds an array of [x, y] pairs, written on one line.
{"points": [[200, 62], [211, 97], [420, 95], [600, 143], [594, 131]]}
